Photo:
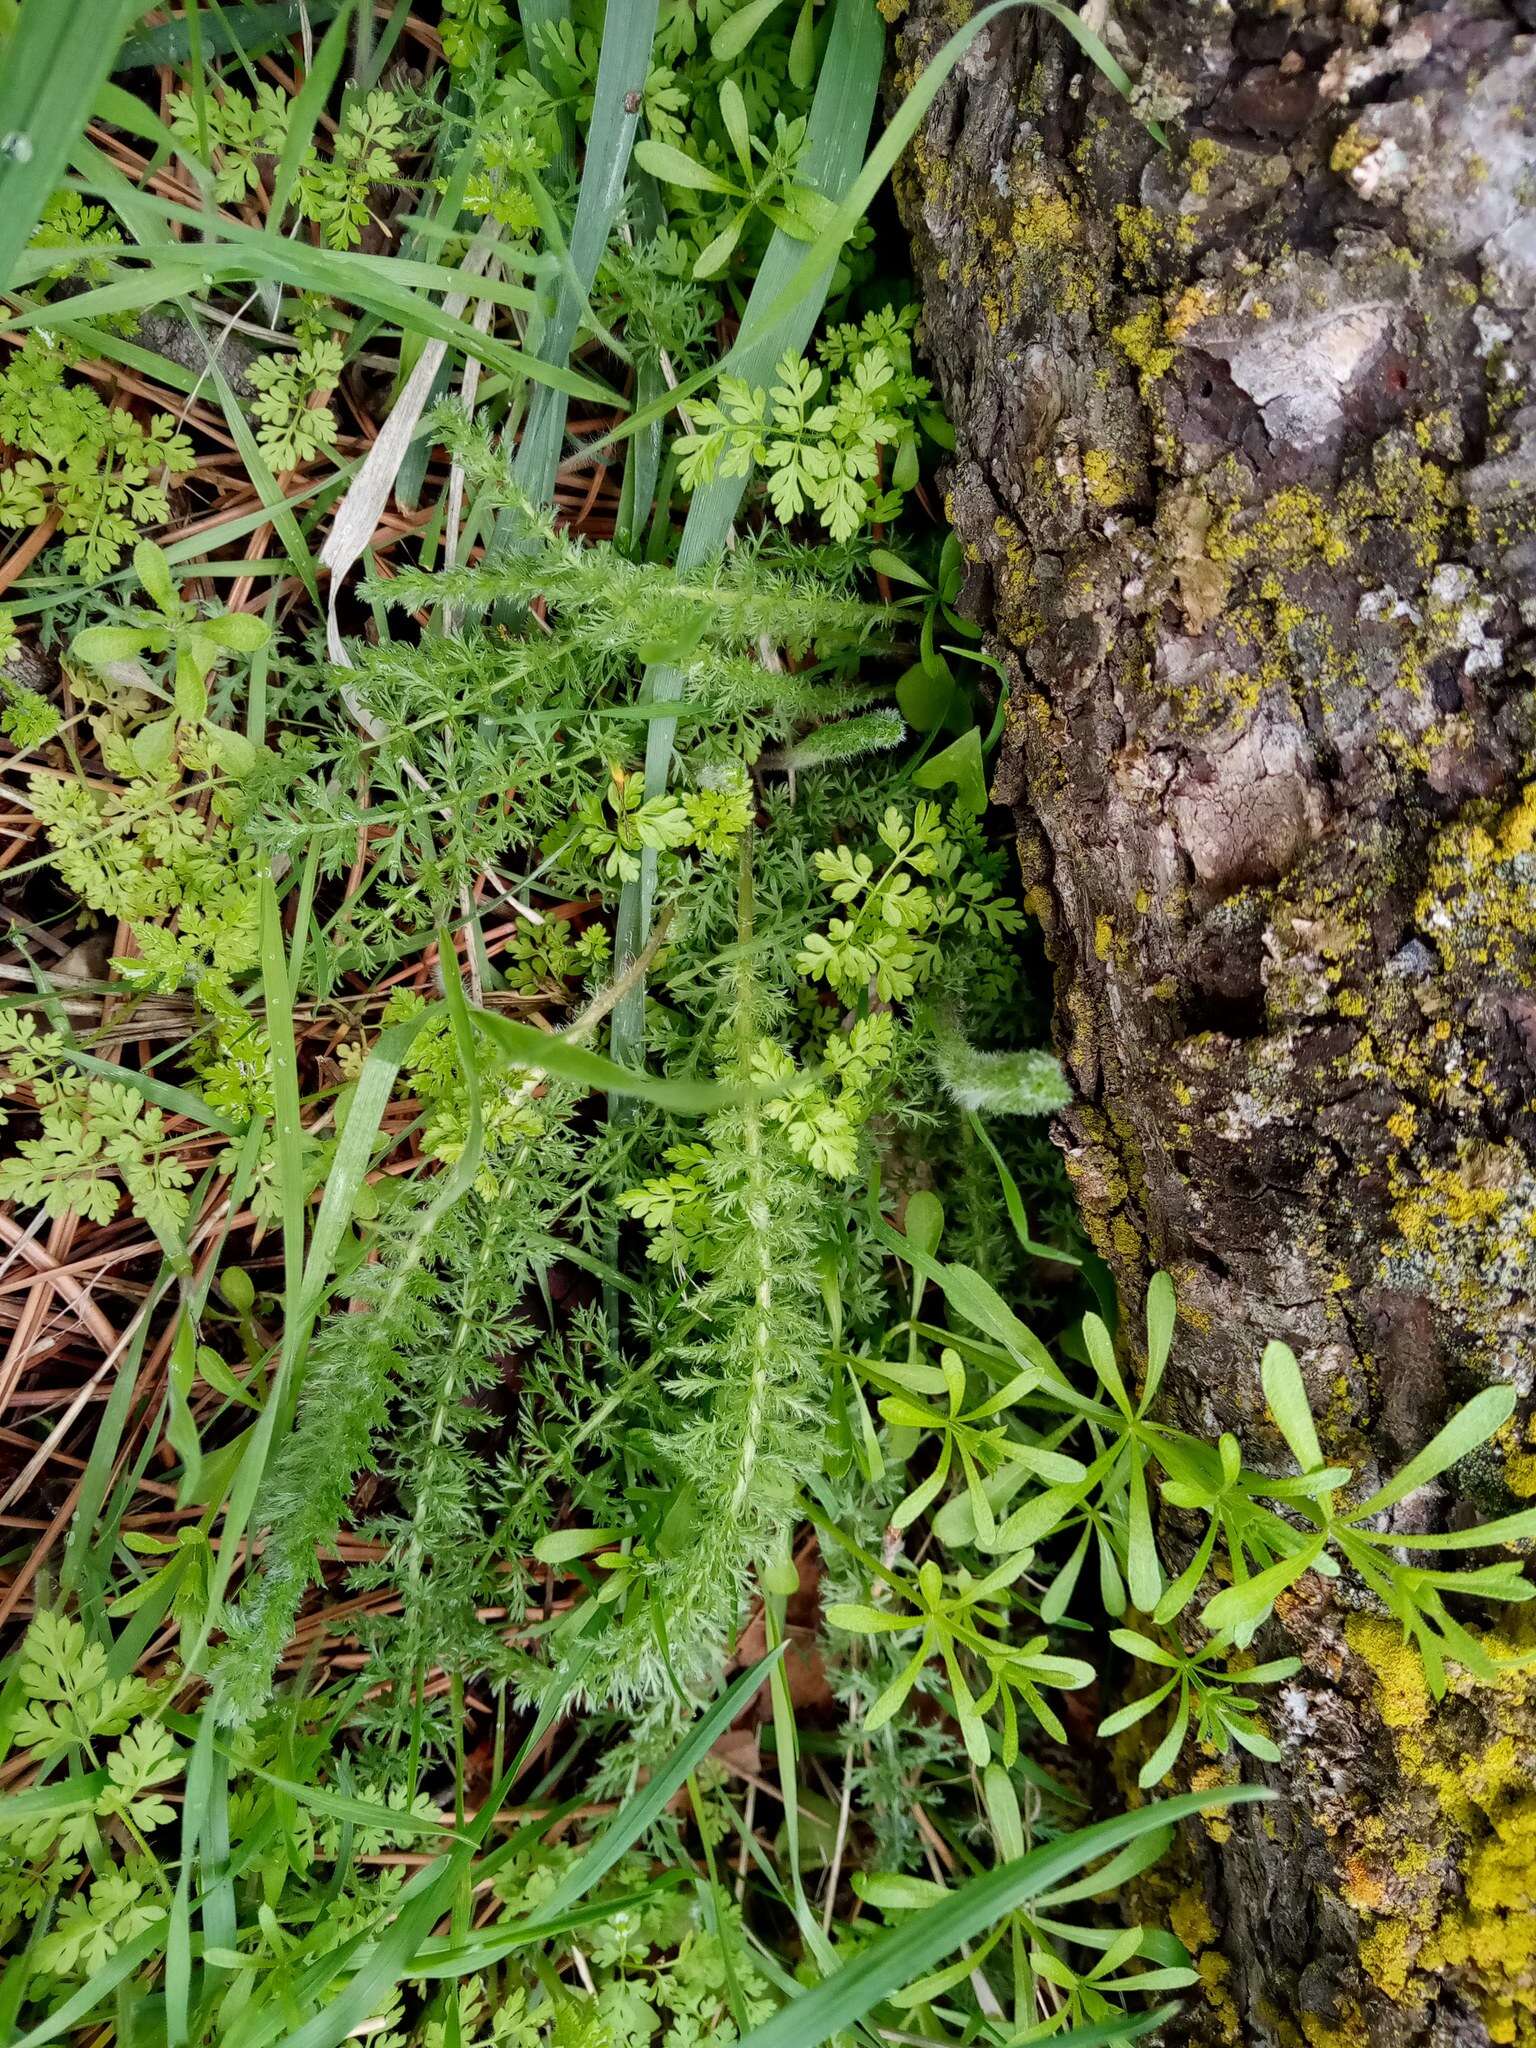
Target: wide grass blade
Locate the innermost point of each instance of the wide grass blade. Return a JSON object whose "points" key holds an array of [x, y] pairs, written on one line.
{"points": [[647, 1806], [262, 26], [926, 1937], [52, 65]]}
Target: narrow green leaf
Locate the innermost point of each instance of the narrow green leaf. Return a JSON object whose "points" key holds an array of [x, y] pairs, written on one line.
{"points": [[262, 26], [1516, 1528], [177, 1101], [1162, 1310], [363, 1813], [734, 33], [354, 1154], [733, 118], [1166, 1754], [973, 1298], [1288, 1403], [1114, 1875], [1467, 1429], [560, 1546], [420, 1906], [1138, 1710], [1100, 1347], [884, 563], [1144, 1572], [1243, 1605], [527, 1046], [63, 1796], [1013, 1201], [675, 167]]}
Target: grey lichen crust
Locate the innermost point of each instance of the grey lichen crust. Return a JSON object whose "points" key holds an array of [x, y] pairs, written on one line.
{"points": [[1247, 478]]}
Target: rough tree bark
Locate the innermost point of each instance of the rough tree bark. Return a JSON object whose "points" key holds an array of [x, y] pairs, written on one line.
{"points": [[1247, 476]]}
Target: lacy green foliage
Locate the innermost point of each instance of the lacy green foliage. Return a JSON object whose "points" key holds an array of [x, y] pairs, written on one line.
{"points": [[70, 1711], [655, 1971], [440, 1557], [335, 192], [472, 28], [891, 935], [648, 286], [70, 222], [91, 467], [821, 434], [96, 1139], [293, 425], [615, 822], [240, 132], [515, 137], [744, 1414], [27, 718], [748, 1214], [131, 851], [543, 957], [453, 724], [631, 610], [158, 846]]}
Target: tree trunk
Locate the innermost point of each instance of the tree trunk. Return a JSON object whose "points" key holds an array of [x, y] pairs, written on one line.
{"points": [[1246, 472]]}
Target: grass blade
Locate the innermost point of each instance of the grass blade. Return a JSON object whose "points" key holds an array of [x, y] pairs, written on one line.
{"points": [[926, 1937], [625, 59], [52, 65], [530, 1047], [637, 1814]]}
